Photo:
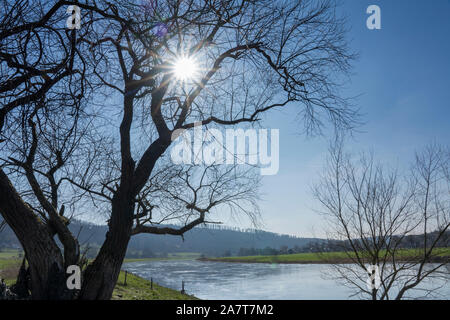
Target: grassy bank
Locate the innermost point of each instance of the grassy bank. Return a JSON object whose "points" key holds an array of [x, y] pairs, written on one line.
{"points": [[315, 258], [137, 288]]}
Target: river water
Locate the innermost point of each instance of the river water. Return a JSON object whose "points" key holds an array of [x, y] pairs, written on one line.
{"points": [[243, 281]]}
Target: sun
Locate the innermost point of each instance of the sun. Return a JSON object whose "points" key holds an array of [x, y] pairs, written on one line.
{"points": [[185, 68]]}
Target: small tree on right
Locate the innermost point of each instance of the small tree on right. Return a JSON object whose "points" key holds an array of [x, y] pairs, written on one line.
{"points": [[392, 225]]}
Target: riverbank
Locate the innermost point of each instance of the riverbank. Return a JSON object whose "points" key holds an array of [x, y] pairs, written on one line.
{"points": [[136, 288], [281, 259], [322, 258], [171, 256]]}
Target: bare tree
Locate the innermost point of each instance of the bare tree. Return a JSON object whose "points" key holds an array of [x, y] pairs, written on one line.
{"points": [[99, 130], [391, 229], [39, 74]]}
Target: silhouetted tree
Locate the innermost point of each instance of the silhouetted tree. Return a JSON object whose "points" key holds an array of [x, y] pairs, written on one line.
{"points": [[88, 115]]}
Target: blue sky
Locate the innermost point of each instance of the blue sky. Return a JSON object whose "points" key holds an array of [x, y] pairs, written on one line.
{"points": [[403, 77]]}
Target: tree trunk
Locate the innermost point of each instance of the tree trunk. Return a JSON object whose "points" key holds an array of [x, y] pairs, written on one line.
{"points": [[101, 276], [45, 261]]}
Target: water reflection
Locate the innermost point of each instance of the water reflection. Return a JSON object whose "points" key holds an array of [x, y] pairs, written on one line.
{"points": [[218, 280]]}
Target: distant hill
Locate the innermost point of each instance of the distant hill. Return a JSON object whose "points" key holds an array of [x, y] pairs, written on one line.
{"points": [[211, 241]]}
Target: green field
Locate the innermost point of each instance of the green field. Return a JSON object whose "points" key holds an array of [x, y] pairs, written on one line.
{"points": [[171, 256], [311, 258], [10, 261], [285, 258], [10, 253], [137, 288]]}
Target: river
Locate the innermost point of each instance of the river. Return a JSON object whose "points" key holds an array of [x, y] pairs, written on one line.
{"points": [[243, 281]]}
